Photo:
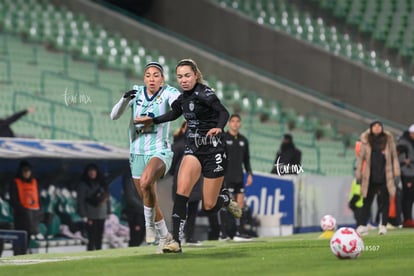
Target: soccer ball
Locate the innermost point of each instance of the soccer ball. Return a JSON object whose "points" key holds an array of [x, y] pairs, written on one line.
{"points": [[346, 243], [328, 222]]}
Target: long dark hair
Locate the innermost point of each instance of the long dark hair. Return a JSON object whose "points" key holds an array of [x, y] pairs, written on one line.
{"points": [[377, 141]]}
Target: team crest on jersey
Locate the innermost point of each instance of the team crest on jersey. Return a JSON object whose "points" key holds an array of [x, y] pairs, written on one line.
{"points": [[241, 143], [158, 100], [191, 106]]}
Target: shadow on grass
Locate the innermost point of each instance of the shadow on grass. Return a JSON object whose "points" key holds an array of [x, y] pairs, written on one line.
{"points": [[199, 254]]}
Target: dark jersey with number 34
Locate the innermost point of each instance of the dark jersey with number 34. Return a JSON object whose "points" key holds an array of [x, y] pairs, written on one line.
{"points": [[203, 111]]}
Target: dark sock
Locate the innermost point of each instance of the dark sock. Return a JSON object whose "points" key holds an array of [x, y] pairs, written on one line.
{"points": [[179, 216], [223, 223], [238, 227], [225, 197]]}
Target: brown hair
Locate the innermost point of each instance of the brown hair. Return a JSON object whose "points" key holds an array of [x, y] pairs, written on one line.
{"points": [[194, 68]]}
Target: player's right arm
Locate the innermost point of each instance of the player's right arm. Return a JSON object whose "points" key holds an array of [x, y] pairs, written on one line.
{"points": [[122, 104]]}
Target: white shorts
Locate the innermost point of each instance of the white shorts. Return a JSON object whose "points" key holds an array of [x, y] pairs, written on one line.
{"points": [[138, 162]]}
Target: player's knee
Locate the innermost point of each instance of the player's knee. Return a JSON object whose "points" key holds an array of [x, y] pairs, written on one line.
{"points": [[209, 206], [145, 183]]}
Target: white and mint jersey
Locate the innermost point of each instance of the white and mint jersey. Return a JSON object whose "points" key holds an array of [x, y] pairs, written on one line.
{"points": [[156, 138]]}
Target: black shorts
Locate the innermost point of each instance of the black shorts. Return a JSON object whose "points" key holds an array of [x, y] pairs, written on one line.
{"points": [[234, 187], [212, 165]]}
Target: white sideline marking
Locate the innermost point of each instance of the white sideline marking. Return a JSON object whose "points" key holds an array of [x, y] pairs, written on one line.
{"points": [[38, 261]]}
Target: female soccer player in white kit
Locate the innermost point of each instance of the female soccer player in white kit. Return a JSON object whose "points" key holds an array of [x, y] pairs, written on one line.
{"points": [[150, 150]]}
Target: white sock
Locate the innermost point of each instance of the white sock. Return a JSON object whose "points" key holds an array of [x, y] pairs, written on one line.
{"points": [[161, 228], [149, 214]]}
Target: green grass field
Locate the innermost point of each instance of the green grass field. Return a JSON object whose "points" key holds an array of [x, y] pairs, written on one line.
{"points": [[302, 254]]}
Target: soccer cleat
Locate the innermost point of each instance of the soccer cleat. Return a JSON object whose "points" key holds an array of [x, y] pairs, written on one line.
{"points": [[193, 243], [382, 230], [409, 223], [163, 242], [242, 238], [172, 247], [150, 234], [224, 239], [232, 207], [362, 230], [390, 226]]}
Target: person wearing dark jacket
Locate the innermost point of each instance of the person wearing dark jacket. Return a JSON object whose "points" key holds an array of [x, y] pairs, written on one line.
{"points": [[376, 172], [405, 149], [93, 205], [134, 212], [238, 155], [25, 201], [288, 158], [5, 129]]}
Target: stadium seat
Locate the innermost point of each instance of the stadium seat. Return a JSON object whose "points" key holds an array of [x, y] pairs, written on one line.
{"points": [[84, 53], [385, 21]]}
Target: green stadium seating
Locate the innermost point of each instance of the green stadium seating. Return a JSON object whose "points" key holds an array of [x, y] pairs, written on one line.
{"points": [[54, 51], [385, 21]]}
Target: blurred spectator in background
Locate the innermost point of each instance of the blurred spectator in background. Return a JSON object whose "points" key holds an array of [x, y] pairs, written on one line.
{"points": [[288, 158], [379, 153], [406, 156], [115, 232], [134, 211], [238, 156], [93, 205], [5, 129], [356, 201], [25, 201], [178, 147], [6, 220]]}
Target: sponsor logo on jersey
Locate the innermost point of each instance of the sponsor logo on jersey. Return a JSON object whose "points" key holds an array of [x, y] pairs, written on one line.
{"points": [[209, 92], [218, 169]]}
